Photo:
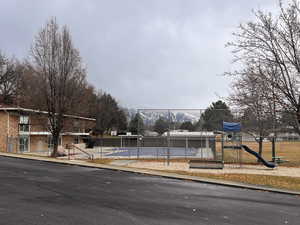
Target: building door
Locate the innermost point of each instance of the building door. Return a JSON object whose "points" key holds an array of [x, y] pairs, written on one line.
{"points": [[24, 144]]}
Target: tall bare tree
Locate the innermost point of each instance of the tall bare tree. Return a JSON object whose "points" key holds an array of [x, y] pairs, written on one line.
{"points": [[59, 66], [29, 93], [272, 41], [254, 102], [10, 73]]}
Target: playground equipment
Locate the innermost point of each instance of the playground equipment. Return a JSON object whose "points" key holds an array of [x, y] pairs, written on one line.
{"points": [[234, 138], [231, 141], [266, 163]]}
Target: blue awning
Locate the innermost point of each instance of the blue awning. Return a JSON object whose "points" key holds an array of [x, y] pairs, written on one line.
{"points": [[234, 127]]}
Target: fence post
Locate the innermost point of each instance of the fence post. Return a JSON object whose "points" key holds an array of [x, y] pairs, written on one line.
{"points": [[138, 149], [222, 148], [202, 147], [101, 148], [101, 153], [207, 142], [186, 146], [168, 138]]}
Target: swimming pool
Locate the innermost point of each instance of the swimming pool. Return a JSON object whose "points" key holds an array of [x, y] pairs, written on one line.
{"points": [[161, 152]]}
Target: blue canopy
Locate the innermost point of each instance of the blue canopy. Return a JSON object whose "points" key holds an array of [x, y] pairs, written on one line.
{"points": [[234, 127]]}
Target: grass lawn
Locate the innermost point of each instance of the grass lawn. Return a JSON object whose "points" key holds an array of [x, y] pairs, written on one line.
{"points": [[289, 151], [290, 183], [283, 182]]}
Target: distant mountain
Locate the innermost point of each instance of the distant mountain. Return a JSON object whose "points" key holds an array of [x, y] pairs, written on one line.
{"points": [[149, 117]]}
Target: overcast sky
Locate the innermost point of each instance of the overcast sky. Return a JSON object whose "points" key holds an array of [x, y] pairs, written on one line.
{"points": [[146, 53]]}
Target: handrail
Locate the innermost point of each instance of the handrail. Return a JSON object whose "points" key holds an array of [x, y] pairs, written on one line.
{"points": [[91, 156]]}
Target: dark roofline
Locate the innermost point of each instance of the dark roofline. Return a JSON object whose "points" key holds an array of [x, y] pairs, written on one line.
{"points": [[19, 109]]}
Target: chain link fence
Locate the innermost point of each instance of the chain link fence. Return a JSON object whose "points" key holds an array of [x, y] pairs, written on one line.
{"points": [[195, 134]]}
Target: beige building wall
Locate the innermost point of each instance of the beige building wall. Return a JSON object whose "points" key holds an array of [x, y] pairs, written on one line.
{"points": [[38, 143], [9, 130], [14, 120], [38, 122], [66, 139], [78, 125], [3, 131], [13, 132]]}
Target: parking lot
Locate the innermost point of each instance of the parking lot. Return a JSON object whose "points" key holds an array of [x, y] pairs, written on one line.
{"points": [[35, 192]]}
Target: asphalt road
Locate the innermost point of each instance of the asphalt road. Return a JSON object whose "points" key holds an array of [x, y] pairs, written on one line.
{"points": [[33, 192]]}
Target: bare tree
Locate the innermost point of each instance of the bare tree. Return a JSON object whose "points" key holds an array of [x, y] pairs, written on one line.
{"points": [[29, 94], [10, 73], [59, 66], [273, 43], [254, 102], [89, 99]]}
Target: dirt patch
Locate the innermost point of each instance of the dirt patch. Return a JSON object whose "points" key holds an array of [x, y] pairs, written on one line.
{"points": [[228, 169]]}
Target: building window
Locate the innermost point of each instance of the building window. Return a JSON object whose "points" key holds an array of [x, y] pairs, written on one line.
{"points": [[24, 123], [76, 140], [24, 140]]}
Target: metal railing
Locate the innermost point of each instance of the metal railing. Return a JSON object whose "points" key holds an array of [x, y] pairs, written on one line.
{"points": [[72, 146]]}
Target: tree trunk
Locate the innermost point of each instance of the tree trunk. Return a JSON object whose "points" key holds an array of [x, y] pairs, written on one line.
{"points": [[260, 147], [55, 139], [273, 149], [298, 122]]}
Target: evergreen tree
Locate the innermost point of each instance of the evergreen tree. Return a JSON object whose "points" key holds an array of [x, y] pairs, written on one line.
{"points": [[187, 126], [161, 126], [214, 115], [136, 125], [109, 115]]}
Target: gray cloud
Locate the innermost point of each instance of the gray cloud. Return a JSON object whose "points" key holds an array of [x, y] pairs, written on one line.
{"points": [[153, 53]]}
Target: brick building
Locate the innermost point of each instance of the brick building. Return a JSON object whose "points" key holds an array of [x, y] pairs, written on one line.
{"points": [[26, 130]]}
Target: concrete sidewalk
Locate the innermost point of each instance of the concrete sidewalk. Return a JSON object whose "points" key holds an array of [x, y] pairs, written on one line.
{"points": [[152, 172]]}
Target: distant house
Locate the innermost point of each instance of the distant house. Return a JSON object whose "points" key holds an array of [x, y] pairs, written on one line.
{"points": [[286, 136], [150, 133], [26, 130], [186, 133]]}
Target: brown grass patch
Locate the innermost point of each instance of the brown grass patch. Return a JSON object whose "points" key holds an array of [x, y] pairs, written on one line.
{"points": [[289, 151], [290, 183]]}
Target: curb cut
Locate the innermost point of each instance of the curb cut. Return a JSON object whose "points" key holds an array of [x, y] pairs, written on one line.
{"points": [[154, 173]]}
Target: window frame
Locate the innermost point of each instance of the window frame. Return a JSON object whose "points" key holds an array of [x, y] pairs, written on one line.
{"points": [[24, 125]]}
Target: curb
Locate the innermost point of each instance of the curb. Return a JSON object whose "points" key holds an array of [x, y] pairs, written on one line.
{"points": [[154, 173]]}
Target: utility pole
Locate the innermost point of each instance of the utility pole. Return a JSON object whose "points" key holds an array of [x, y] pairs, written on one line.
{"points": [[168, 149]]}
